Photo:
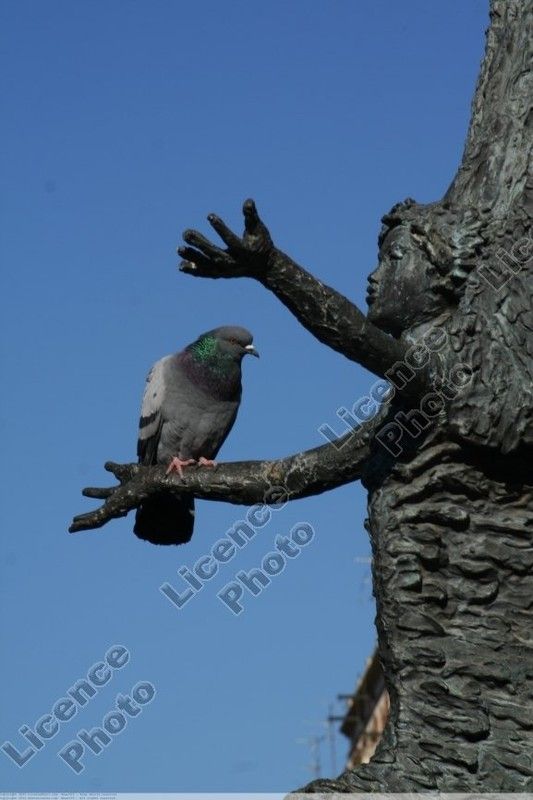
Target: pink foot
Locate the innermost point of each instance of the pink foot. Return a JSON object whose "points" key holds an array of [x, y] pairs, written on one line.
{"points": [[206, 462], [177, 464]]}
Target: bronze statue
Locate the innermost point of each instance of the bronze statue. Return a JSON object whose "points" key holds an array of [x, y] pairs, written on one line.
{"points": [[447, 460]]}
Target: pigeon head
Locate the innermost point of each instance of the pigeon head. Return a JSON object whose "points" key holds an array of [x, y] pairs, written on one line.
{"points": [[228, 343]]}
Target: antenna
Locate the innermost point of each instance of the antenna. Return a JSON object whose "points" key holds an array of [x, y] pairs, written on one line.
{"points": [[315, 764], [331, 735]]}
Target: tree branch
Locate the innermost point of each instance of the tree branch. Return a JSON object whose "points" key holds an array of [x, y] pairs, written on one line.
{"points": [[241, 482], [327, 314]]}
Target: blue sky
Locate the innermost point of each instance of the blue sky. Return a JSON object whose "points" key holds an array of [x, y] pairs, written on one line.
{"points": [[123, 124]]}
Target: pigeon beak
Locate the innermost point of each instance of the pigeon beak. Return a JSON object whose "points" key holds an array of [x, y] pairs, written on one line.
{"points": [[250, 349]]}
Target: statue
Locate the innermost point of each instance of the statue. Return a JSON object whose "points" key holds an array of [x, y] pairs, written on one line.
{"points": [[447, 459]]}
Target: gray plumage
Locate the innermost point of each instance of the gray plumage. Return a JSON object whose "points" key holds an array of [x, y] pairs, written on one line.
{"points": [[189, 406]]}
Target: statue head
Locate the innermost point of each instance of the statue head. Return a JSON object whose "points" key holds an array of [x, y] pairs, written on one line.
{"points": [[423, 264]]}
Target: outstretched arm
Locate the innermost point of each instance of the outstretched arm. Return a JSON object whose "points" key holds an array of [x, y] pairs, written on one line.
{"points": [[326, 313], [240, 482]]}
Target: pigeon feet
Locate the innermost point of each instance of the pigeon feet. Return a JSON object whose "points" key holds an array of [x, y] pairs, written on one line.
{"points": [[206, 462], [177, 464]]}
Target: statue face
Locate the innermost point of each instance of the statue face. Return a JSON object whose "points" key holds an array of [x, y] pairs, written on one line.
{"points": [[400, 292]]}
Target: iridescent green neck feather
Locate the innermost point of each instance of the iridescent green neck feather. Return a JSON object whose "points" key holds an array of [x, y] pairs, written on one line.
{"points": [[204, 349]]}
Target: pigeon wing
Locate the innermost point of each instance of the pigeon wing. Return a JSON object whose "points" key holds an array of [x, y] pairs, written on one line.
{"points": [[151, 419]]}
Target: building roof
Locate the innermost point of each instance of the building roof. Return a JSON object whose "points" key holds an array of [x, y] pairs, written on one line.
{"points": [[362, 705]]}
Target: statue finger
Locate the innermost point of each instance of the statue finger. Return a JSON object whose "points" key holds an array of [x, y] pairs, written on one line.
{"points": [[230, 239], [252, 221], [98, 493], [203, 244]]}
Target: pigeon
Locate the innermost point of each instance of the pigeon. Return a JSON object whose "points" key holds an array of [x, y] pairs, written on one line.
{"points": [[189, 406]]}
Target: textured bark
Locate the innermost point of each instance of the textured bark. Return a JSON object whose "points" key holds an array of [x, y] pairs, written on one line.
{"points": [[450, 508]]}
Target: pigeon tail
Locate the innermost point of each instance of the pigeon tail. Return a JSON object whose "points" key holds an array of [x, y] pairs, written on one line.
{"points": [[165, 520]]}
